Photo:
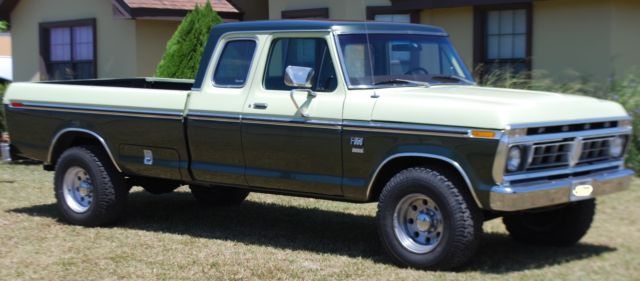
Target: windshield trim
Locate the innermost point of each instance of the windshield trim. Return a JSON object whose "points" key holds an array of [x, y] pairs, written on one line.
{"points": [[345, 74]]}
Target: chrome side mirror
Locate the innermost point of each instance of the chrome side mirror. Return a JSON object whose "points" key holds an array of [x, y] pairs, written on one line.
{"points": [[299, 76]]}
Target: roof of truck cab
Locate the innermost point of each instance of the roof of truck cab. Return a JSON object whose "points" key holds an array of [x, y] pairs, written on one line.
{"points": [[337, 26], [306, 25]]}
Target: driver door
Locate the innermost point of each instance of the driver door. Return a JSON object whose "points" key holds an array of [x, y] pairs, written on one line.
{"points": [[289, 145]]}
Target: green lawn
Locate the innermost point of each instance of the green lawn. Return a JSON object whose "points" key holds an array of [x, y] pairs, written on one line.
{"points": [[274, 237]]}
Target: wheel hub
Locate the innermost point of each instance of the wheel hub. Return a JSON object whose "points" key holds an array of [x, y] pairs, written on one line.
{"points": [[77, 189], [418, 223], [423, 222]]}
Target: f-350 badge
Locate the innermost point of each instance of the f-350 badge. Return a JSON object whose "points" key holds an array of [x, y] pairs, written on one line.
{"points": [[357, 144]]}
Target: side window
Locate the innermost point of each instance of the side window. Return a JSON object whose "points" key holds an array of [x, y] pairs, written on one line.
{"points": [[234, 63], [307, 52]]}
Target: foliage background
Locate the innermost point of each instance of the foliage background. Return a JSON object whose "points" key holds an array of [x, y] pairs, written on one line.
{"points": [[3, 126], [625, 90], [184, 50]]}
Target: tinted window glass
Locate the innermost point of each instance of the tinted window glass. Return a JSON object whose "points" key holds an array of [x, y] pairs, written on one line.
{"points": [[234, 63], [307, 52], [379, 60]]}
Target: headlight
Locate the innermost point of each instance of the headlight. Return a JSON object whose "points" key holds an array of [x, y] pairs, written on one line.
{"points": [[616, 147], [514, 159]]}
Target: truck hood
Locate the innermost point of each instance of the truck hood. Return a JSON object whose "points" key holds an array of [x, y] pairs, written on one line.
{"points": [[483, 107]]}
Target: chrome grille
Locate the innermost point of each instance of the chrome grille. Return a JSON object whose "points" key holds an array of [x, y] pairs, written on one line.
{"points": [[549, 155], [596, 149]]}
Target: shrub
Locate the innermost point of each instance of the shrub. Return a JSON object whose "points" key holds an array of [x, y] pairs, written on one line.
{"points": [[625, 90], [182, 57], [4, 26], [3, 126]]}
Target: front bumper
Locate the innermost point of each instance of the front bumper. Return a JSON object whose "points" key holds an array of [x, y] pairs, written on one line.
{"points": [[549, 193]]}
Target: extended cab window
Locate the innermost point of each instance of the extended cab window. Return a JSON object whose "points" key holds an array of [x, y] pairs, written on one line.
{"points": [[307, 52], [234, 63]]}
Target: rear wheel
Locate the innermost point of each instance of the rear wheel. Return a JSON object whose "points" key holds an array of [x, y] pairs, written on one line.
{"points": [[424, 221], [88, 189], [563, 226], [218, 195]]}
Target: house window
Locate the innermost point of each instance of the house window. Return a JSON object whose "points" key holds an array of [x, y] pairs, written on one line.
{"points": [[390, 14], [320, 13], [505, 35], [68, 50], [399, 18]]}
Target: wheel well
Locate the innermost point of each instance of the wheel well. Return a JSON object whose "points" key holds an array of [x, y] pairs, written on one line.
{"points": [[396, 165], [68, 140]]}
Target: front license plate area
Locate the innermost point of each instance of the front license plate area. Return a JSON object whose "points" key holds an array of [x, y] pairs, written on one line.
{"points": [[580, 190]]}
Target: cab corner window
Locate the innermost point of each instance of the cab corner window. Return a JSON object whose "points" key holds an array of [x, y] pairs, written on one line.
{"points": [[234, 63], [307, 52]]}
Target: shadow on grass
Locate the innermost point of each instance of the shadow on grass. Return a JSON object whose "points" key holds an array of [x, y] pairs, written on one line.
{"points": [[310, 229]]}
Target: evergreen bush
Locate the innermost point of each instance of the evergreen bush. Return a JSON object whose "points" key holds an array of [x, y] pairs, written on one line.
{"points": [[182, 57]]}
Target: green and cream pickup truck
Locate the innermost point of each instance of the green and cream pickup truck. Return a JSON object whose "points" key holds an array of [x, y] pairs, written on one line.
{"points": [[347, 111]]}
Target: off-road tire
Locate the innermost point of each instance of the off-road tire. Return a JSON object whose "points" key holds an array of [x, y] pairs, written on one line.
{"points": [[109, 188], [218, 195], [462, 221], [562, 226]]}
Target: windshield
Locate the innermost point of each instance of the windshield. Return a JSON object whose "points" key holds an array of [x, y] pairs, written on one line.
{"points": [[400, 59]]}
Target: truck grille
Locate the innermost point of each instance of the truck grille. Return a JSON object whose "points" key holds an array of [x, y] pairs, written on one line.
{"points": [[549, 155], [595, 150], [559, 153]]}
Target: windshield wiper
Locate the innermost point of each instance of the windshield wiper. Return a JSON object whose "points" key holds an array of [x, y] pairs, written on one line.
{"points": [[453, 77], [403, 81]]}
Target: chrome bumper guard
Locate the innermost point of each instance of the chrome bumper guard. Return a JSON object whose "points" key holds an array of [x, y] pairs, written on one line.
{"points": [[555, 192]]}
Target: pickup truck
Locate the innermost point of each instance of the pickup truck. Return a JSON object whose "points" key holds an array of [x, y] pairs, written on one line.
{"points": [[348, 111]]}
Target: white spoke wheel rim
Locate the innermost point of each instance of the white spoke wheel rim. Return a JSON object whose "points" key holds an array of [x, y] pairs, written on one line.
{"points": [[77, 188], [418, 223]]}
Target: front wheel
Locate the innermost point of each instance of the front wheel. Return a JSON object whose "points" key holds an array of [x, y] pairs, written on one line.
{"points": [[88, 189], [563, 226], [425, 222]]}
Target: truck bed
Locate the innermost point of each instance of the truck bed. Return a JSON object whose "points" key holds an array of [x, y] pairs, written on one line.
{"points": [[130, 115], [141, 83]]}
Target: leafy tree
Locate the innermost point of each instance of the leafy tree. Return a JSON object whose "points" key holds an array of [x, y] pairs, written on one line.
{"points": [[4, 26], [182, 57]]}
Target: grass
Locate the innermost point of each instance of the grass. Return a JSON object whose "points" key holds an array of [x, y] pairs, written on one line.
{"points": [[169, 237]]}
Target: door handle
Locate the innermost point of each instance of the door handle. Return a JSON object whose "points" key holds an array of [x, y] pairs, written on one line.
{"points": [[260, 105]]}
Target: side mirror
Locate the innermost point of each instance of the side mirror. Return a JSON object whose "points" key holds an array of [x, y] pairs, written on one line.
{"points": [[298, 76]]}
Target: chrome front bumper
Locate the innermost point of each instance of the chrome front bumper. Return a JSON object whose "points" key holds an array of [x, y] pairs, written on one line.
{"points": [[550, 193]]}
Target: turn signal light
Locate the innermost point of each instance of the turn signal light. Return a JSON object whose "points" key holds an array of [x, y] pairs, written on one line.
{"points": [[483, 134]]}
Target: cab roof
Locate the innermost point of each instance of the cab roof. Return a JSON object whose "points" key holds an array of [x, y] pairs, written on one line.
{"points": [[337, 26], [306, 25]]}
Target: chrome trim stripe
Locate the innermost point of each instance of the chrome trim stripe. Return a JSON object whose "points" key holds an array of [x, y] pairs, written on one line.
{"points": [[364, 126], [425, 155], [98, 137], [217, 117], [570, 122], [407, 132], [429, 130], [295, 122], [562, 171], [100, 110]]}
